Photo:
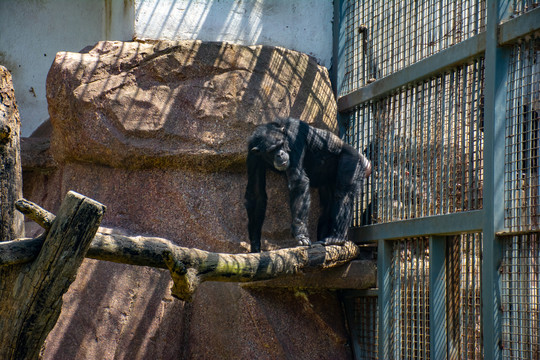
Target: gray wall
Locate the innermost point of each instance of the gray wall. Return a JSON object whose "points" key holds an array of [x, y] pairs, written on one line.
{"points": [[33, 31]]}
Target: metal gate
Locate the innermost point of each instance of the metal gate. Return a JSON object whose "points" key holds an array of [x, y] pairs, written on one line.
{"points": [[443, 96]]}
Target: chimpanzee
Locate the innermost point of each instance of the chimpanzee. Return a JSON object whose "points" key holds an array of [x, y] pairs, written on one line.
{"points": [[309, 157]]}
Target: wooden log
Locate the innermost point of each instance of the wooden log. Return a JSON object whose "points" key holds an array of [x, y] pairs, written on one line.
{"points": [[37, 292], [41, 216], [11, 222], [190, 266], [357, 274], [20, 251]]}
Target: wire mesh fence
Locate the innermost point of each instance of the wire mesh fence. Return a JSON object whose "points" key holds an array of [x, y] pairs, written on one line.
{"points": [[425, 142], [410, 299], [364, 327], [464, 303], [520, 290], [522, 178], [519, 7], [382, 37]]}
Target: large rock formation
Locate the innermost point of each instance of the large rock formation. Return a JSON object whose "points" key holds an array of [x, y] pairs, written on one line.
{"points": [[178, 104], [157, 132]]}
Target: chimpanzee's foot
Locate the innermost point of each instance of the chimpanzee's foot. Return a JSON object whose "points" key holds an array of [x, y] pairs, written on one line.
{"points": [[303, 240], [334, 241]]}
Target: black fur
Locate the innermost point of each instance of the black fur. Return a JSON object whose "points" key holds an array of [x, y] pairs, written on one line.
{"points": [[309, 157]]}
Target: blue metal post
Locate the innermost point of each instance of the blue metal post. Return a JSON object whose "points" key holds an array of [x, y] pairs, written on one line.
{"points": [[338, 47], [437, 297], [496, 67], [384, 279]]}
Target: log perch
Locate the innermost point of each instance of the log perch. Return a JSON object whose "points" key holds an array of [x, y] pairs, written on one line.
{"points": [[188, 266]]}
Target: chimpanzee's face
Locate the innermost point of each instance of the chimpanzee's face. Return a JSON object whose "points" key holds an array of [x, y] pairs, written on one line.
{"points": [[281, 158], [272, 147]]}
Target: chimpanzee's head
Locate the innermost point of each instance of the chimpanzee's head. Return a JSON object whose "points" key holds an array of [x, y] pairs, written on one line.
{"points": [[270, 143]]}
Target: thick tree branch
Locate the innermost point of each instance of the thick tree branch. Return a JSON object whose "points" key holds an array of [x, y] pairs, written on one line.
{"points": [[189, 266], [36, 213]]}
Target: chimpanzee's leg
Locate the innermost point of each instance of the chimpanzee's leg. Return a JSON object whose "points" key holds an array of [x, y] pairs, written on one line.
{"points": [[352, 168], [324, 226], [299, 202]]}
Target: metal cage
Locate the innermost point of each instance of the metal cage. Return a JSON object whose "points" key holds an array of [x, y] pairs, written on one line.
{"points": [[425, 142], [522, 178], [443, 97], [520, 277]]}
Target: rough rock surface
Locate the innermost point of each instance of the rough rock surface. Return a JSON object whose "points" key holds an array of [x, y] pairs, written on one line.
{"points": [[184, 104], [157, 132]]}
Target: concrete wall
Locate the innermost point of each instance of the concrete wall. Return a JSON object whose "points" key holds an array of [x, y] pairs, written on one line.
{"points": [[302, 25], [32, 31]]}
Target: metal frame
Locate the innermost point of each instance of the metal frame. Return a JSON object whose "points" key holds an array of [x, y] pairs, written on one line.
{"points": [[489, 220]]}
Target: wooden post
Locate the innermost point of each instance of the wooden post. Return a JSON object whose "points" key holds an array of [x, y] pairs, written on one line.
{"points": [[36, 294], [31, 294], [11, 222]]}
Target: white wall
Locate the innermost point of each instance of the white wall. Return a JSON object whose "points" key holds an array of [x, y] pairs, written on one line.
{"points": [[32, 31], [303, 25]]}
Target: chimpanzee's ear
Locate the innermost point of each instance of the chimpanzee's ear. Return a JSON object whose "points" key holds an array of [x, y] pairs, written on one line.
{"points": [[255, 149]]}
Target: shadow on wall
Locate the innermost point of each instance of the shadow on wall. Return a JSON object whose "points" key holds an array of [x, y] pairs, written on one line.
{"points": [[300, 25], [217, 20]]}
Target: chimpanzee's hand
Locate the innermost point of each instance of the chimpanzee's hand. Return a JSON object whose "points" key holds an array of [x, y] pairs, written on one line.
{"points": [[303, 240]]}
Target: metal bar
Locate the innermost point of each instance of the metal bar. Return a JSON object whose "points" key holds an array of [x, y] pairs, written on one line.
{"points": [[466, 254], [449, 224], [520, 26], [336, 72], [434, 64], [399, 277], [428, 156], [409, 154], [470, 136], [384, 273], [464, 168], [507, 233], [442, 162], [348, 303], [437, 298], [426, 292], [422, 211], [496, 67]]}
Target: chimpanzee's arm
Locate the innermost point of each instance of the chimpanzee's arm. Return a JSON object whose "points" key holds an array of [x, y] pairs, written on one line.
{"points": [[255, 199], [298, 183]]}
